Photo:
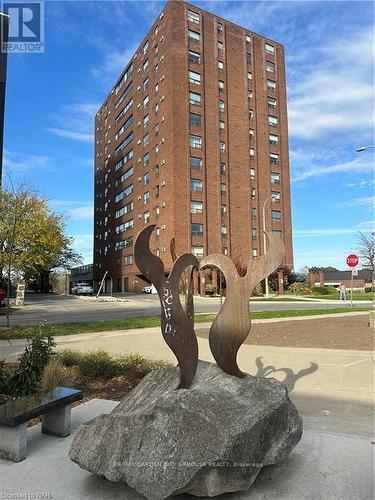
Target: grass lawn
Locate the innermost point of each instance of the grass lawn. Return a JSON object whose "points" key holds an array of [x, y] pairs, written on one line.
{"points": [[336, 296], [18, 332]]}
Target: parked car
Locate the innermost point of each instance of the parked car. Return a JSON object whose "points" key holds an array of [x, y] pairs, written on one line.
{"points": [[82, 289], [149, 289]]}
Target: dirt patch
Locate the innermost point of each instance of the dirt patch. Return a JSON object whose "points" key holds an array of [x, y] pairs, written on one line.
{"points": [[328, 333]]}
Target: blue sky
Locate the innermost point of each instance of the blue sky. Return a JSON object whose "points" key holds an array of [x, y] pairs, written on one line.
{"points": [[52, 99]]}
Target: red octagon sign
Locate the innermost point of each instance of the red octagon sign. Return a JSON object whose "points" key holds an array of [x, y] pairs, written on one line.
{"points": [[352, 260]]}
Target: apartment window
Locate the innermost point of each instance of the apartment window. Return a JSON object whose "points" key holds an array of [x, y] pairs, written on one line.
{"points": [[275, 178], [194, 77], [145, 120], [196, 185], [145, 65], [270, 67], [196, 163], [220, 65], [156, 129], [128, 260], [225, 251], [276, 215], [125, 226], [146, 178], [145, 47], [275, 196], [251, 133], [195, 141], [253, 213], [222, 125], [250, 94], [224, 230], [223, 187], [146, 197], [253, 234], [145, 84], [123, 79], [124, 176], [272, 121], [145, 101], [146, 139], [249, 75], [248, 39], [220, 45], [272, 103], [146, 159], [274, 159], [277, 232], [223, 209], [251, 114], [195, 119], [156, 108], [156, 88], [194, 37], [146, 217], [124, 210], [270, 49], [248, 58], [255, 252], [271, 85], [220, 27], [124, 160], [157, 149], [253, 193], [194, 98], [124, 143], [156, 50], [157, 191], [194, 57], [193, 17], [197, 252], [124, 111], [252, 152], [222, 168], [221, 85], [126, 125], [196, 207], [273, 139], [119, 245], [222, 147], [252, 173], [221, 106], [156, 69], [197, 229]]}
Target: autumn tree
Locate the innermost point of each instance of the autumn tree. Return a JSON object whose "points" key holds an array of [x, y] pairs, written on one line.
{"points": [[366, 250]]}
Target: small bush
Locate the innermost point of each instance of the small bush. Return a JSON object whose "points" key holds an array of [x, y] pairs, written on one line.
{"points": [[369, 290], [69, 357], [324, 290], [97, 364], [55, 375], [299, 289]]}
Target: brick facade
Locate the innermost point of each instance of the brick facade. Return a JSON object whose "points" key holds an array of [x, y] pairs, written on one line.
{"points": [[228, 183]]}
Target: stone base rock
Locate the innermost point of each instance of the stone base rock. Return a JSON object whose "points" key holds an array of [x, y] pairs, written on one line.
{"points": [[207, 440]]}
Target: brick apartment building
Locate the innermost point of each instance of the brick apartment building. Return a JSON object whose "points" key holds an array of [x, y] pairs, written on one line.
{"points": [[193, 137]]}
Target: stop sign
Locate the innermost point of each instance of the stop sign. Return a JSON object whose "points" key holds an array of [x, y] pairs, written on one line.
{"points": [[352, 260]]}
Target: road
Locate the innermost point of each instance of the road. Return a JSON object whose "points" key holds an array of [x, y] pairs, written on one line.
{"points": [[70, 309]]}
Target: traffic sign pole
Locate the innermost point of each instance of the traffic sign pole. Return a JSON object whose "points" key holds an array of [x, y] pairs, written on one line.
{"points": [[352, 261], [351, 290]]}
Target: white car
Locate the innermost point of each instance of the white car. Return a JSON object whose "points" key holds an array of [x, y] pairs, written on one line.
{"points": [[149, 289], [82, 289]]}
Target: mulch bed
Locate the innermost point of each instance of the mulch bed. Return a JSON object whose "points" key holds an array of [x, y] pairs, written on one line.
{"points": [[328, 333]]}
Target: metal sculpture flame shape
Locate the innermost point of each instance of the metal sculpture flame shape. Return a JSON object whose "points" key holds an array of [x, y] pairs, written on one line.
{"points": [[232, 324], [177, 324]]}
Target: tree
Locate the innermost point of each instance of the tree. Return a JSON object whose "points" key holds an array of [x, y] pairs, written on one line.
{"points": [[366, 250], [316, 269]]}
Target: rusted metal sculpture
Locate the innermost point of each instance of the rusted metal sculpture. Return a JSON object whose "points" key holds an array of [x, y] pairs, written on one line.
{"points": [[232, 324], [177, 324]]}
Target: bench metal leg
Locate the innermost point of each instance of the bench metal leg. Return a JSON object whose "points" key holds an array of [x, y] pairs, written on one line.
{"points": [[13, 442], [57, 422]]}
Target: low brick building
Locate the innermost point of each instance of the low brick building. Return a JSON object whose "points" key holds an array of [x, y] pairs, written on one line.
{"points": [[335, 278]]}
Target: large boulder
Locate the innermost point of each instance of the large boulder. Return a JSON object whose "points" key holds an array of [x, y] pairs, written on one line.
{"points": [[207, 440]]}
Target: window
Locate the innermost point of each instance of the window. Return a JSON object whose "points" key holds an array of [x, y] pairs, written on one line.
{"points": [[275, 196], [156, 69], [145, 120], [124, 160], [194, 98], [255, 252], [248, 39], [249, 75], [119, 245], [253, 234], [220, 27], [252, 173], [124, 111], [249, 94], [124, 78], [222, 125], [195, 141], [197, 251], [220, 45], [124, 210], [197, 229], [128, 260], [195, 119], [253, 213], [196, 207], [276, 215], [194, 57], [274, 159], [196, 163], [157, 149], [157, 191], [146, 197], [146, 159], [196, 185], [270, 67], [222, 147], [194, 37], [156, 88], [252, 152], [156, 108], [145, 101], [275, 178], [123, 194], [220, 65], [253, 193], [124, 143], [272, 121], [271, 85], [251, 133], [273, 139], [194, 77], [272, 103], [251, 114], [156, 50], [225, 251], [124, 176], [125, 226], [224, 230], [145, 84], [146, 139], [223, 187], [146, 178], [223, 209], [145, 65], [156, 129], [222, 168], [221, 85], [277, 232], [270, 49], [248, 58], [221, 106], [146, 217], [126, 125], [193, 17], [145, 47]]}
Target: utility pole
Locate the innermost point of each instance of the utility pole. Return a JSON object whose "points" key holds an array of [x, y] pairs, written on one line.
{"points": [[4, 30]]}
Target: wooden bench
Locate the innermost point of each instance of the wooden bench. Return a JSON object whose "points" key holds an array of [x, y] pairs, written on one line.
{"points": [[55, 409]]}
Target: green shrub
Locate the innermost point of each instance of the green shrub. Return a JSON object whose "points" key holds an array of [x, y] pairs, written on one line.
{"points": [[69, 357], [369, 290], [55, 375], [324, 290], [97, 364], [299, 289]]}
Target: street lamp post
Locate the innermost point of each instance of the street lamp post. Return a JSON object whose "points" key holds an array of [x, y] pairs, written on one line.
{"points": [[265, 239]]}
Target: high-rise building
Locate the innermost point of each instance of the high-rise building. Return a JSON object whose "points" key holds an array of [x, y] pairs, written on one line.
{"points": [[193, 137]]}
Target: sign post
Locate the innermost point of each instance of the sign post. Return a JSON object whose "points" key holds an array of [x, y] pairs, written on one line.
{"points": [[352, 261]]}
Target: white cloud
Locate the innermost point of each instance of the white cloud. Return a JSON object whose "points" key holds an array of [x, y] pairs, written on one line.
{"points": [[70, 134], [15, 162], [83, 243], [356, 202], [319, 233], [75, 210]]}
